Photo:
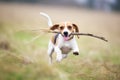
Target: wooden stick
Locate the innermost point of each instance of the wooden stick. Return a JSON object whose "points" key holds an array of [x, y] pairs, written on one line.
{"points": [[84, 34], [88, 34]]}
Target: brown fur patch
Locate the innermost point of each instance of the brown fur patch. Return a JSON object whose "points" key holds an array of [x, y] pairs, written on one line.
{"points": [[56, 26]]}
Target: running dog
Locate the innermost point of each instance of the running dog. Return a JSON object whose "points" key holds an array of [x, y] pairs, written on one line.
{"points": [[63, 42]]}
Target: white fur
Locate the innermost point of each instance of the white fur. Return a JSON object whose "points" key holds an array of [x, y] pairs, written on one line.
{"points": [[70, 45], [48, 17]]}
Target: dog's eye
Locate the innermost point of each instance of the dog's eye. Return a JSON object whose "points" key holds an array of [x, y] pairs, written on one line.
{"points": [[69, 27], [61, 28]]}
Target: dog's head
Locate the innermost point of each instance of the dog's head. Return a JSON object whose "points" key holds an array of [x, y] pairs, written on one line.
{"points": [[65, 28]]}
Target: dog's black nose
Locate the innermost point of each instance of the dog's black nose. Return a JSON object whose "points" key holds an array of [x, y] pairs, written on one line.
{"points": [[65, 34]]}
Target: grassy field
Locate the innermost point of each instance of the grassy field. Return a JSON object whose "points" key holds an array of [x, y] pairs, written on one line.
{"points": [[21, 59]]}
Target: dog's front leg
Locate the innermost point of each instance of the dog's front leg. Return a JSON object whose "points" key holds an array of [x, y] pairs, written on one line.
{"points": [[59, 53], [75, 48]]}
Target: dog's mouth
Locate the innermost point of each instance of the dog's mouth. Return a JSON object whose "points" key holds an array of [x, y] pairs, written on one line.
{"points": [[66, 36]]}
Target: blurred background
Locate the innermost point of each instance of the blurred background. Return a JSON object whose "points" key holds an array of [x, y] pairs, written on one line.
{"points": [[107, 5], [23, 55]]}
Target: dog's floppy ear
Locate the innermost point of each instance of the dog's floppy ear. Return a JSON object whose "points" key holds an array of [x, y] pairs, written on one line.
{"points": [[54, 27], [76, 29]]}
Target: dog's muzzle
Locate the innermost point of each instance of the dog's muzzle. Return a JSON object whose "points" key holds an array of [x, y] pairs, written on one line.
{"points": [[66, 36]]}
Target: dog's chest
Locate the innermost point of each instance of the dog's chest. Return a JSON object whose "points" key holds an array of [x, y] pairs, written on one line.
{"points": [[65, 48]]}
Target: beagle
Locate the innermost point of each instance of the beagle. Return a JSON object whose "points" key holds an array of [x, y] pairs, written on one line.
{"points": [[63, 42]]}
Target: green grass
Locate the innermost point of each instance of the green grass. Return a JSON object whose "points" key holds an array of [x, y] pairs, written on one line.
{"points": [[27, 37], [15, 62]]}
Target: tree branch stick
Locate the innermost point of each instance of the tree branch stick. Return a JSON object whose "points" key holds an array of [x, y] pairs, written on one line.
{"points": [[84, 34], [91, 35]]}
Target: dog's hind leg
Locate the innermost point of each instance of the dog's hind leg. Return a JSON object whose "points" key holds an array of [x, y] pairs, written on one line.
{"points": [[50, 52]]}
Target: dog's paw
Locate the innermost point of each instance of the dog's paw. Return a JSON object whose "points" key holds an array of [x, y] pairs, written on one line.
{"points": [[59, 58], [76, 53]]}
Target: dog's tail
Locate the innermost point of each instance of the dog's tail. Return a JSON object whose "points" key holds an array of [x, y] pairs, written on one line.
{"points": [[48, 17]]}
